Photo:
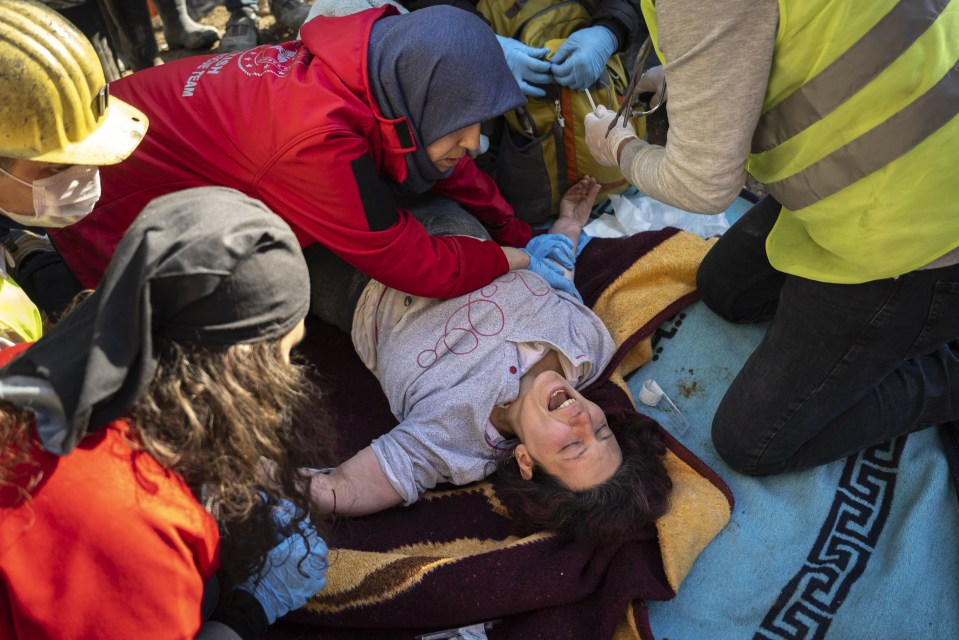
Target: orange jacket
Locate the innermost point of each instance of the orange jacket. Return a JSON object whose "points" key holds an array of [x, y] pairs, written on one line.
{"points": [[107, 545]]}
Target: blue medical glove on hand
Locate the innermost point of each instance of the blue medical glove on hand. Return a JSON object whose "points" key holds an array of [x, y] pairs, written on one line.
{"points": [[584, 239], [579, 62], [553, 274], [283, 587], [529, 65], [553, 246]]}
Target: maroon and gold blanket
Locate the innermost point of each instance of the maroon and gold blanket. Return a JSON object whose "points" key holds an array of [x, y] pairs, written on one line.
{"points": [[451, 559]]}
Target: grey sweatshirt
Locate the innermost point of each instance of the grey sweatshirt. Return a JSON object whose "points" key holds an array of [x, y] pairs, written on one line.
{"points": [[445, 364]]}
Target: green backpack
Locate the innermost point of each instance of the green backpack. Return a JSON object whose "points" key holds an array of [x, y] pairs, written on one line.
{"points": [[543, 149]]}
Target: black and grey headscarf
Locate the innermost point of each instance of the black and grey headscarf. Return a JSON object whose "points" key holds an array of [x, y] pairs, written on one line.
{"points": [[442, 69], [207, 266]]}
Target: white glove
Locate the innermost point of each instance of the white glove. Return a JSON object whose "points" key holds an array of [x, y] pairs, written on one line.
{"points": [[652, 81], [604, 147]]}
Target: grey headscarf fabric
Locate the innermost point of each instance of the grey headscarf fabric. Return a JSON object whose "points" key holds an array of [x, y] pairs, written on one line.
{"points": [[207, 266], [442, 69]]}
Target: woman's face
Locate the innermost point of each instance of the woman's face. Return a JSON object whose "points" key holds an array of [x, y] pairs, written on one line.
{"points": [[563, 432], [447, 151]]}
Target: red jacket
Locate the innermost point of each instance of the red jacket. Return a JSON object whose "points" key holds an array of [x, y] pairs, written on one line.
{"points": [[107, 545], [295, 125]]}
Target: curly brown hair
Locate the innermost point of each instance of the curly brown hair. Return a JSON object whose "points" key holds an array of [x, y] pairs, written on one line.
{"points": [[636, 494], [18, 442], [212, 415]]}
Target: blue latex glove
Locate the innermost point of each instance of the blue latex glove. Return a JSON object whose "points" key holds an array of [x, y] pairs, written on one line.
{"points": [[528, 65], [579, 62], [552, 246], [282, 587], [552, 273], [584, 239]]}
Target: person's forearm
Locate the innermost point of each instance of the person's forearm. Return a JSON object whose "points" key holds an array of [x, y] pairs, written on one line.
{"points": [[569, 228], [677, 184], [357, 487], [712, 113], [516, 258]]}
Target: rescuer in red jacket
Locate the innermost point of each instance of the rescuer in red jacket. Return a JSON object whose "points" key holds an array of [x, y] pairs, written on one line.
{"points": [[336, 133]]}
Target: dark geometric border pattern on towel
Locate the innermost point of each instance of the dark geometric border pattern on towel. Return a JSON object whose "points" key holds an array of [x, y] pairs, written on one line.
{"points": [[809, 601]]}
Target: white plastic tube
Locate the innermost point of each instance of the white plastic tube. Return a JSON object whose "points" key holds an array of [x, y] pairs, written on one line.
{"points": [[651, 394]]}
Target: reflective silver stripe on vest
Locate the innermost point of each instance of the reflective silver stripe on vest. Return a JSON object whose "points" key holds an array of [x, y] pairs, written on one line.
{"points": [[874, 149], [849, 73]]}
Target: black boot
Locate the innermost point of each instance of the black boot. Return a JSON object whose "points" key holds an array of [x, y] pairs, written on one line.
{"points": [[242, 31], [180, 30], [289, 14], [131, 26]]}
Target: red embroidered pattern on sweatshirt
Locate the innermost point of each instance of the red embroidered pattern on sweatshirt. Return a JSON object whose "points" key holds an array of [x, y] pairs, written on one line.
{"points": [[479, 317]]}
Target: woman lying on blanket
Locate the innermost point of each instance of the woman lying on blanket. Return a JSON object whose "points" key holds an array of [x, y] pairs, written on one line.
{"points": [[489, 381], [131, 435]]}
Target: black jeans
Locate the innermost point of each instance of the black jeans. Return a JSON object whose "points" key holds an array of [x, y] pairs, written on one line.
{"points": [[842, 367]]}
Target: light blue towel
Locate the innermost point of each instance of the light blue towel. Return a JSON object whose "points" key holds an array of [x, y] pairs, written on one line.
{"points": [[866, 548]]}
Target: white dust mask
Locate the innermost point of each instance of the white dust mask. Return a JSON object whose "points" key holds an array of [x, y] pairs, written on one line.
{"points": [[61, 199]]}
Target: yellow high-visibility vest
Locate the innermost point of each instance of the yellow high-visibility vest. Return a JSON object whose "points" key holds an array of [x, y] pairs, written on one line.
{"points": [[19, 317], [859, 136]]}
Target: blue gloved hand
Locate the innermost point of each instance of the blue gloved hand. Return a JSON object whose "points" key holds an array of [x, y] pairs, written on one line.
{"points": [[579, 62], [282, 587], [552, 246], [584, 239], [553, 274], [529, 65]]}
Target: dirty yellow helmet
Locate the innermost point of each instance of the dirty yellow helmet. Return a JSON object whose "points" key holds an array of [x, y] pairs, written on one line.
{"points": [[55, 105]]}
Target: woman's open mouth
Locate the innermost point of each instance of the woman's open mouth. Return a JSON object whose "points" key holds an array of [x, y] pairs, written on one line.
{"points": [[559, 399]]}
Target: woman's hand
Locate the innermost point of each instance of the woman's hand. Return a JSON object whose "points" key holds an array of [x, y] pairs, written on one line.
{"points": [[577, 202], [575, 207]]}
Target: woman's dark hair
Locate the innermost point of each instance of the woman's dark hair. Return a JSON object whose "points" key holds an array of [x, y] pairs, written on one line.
{"points": [[213, 415], [636, 495]]}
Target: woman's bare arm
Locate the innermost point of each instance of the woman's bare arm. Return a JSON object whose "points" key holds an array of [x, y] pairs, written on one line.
{"points": [[355, 488]]}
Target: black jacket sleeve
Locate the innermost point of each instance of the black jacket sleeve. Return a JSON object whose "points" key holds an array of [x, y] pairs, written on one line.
{"points": [[623, 18]]}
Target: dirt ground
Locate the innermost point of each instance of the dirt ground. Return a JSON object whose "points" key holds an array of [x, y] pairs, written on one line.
{"points": [[270, 32]]}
